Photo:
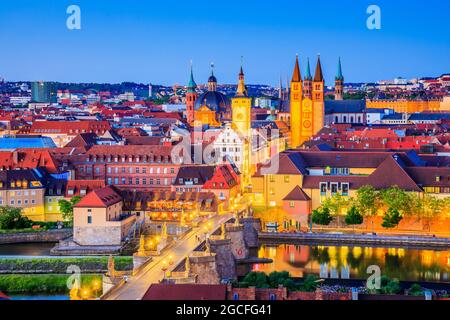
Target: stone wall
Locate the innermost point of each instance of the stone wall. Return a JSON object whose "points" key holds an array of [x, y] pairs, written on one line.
{"points": [[204, 267], [251, 228], [39, 236], [225, 263], [98, 236], [238, 245]]}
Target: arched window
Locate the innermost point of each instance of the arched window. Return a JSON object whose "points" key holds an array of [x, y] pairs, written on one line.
{"points": [[235, 296]]}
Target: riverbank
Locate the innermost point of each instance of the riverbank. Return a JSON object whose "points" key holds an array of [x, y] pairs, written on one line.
{"points": [[38, 236], [60, 265], [355, 239]]}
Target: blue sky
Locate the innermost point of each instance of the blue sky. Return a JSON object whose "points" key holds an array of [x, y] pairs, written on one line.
{"points": [[153, 41]]}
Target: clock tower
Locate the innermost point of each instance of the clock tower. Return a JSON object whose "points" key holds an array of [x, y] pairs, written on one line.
{"points": [[241, 106]]}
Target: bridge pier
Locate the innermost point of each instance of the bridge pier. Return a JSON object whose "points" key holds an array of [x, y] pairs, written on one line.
{"points": [[203, 265], [225, 261]]}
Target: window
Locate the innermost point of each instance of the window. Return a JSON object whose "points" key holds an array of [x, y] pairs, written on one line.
{"points": [[272, 178], [334, 188], [286, 179], [323, 188], [345, 189], [89, 219], [272, 297], [235, 296], [137, 170], [291, 204]]}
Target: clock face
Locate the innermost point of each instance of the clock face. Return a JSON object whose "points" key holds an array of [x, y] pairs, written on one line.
{"points": [[306, 124]]}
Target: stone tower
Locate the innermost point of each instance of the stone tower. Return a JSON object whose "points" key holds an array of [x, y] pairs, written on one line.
{"points": [[241, 106], [296, 104], [318, 99], [191, 97], [339, 83]]}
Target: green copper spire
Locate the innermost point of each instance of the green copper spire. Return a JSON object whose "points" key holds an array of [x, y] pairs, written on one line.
{"points": [[192, 85], [308, 71], [339, 75]]}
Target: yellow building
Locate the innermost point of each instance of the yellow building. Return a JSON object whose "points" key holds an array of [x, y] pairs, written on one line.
{"points": [[23, 189], [307, 107], [405, 106]]}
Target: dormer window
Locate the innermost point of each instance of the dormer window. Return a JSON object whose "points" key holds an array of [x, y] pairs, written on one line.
{"points": [[438, 178]]}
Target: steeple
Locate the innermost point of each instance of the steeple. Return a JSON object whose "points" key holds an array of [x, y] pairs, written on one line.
{"points": [[339, 75], [280, 90], [308, 71], [191, 85], [212, 81], [296, 77], [318, 76], [241, 89]]}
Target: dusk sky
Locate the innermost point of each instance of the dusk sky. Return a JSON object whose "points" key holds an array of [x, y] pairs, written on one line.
{"points": [[153, 41]]}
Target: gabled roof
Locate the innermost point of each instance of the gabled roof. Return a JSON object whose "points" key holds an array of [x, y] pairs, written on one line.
{"points": [[297, 194], [100, 198]]}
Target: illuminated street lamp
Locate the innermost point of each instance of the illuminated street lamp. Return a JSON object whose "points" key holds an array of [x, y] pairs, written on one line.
{"points": [[96, 286], [85, 294]]}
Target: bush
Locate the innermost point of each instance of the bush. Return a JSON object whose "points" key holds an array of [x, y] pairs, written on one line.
{"points": [[416, 290], [309, 284], [391, 218], [60, 265], [321, 216], [11, 218]]}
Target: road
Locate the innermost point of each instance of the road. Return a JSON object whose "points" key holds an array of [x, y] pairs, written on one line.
{"points": [[137, 285]]}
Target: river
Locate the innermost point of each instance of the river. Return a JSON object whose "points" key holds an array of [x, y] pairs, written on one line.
{"points": [[26, 249], [352, 262]]}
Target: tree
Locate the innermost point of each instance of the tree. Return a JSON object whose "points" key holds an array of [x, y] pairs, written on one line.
{"points": [[416, 290], [391, 218], [427, 208], [66, 207], [256, 279], [389, 286], [397, 199], [11, 218], [367, 201], [309, 284], [354, 217], [321, 216]]}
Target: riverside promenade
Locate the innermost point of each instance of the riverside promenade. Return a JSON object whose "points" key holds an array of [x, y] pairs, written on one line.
{"points": [[355, 239]]}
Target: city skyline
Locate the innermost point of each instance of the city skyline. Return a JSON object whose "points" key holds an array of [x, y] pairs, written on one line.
{"points": [[150, 45]]}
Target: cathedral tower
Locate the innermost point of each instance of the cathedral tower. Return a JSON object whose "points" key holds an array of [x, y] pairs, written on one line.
{"points": [[339, 83], [212, 81], [318, 98], [307, 82], [191, 98], [296, 99]]}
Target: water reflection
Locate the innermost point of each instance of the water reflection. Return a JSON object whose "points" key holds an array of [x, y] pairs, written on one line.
{"points": [[26, 249], [352, 262]]}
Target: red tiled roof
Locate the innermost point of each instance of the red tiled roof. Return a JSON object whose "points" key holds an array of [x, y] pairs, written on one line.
{"points": [[297, 194], [69, 127], [100, 198], [87, 185], [179, 292]]}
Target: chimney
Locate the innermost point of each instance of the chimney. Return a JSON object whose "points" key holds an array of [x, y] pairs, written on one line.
{"points": [[15, 157]]}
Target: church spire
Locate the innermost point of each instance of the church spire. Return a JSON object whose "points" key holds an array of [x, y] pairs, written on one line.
{"points": [[212, 81], [318, 77], [339, 75], [241, 89], [192, 85], [308, 71], [296, 77]]}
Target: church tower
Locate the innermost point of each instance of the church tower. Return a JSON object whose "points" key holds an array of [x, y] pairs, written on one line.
{"points": [[296, 99], [318, 98], [241, 106], [339, 83], [191, 98], [307, 82]]}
